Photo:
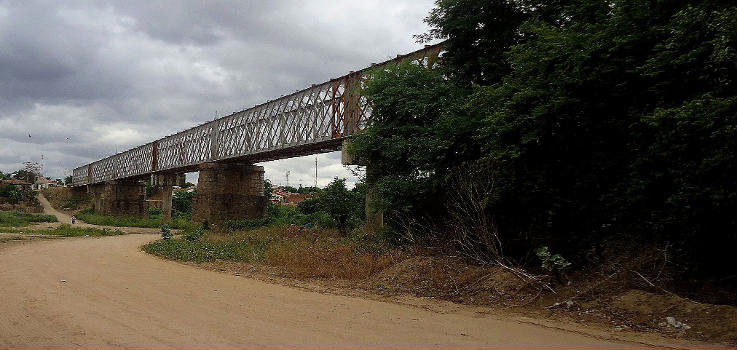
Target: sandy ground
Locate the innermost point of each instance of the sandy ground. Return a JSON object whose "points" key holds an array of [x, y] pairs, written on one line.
{"points": [[106, 293], [116, 296]]}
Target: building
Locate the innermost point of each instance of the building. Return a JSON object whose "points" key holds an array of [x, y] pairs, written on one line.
{"points": [[278, 195], [42, 183]]}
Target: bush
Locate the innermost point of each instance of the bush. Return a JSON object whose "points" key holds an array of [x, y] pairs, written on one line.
{"points": [[280, 215], [194, 234]]}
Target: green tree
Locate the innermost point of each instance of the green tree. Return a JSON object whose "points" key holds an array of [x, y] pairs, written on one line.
{"points": [[25, 175], [68, 180], [181, 202], [598, 120], [267, 188], [343, 205], [13, 194], [615, 121], [420, 129], [290, 189]]}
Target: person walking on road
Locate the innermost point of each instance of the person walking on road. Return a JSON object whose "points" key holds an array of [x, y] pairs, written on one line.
{"points": [[74, 218]]}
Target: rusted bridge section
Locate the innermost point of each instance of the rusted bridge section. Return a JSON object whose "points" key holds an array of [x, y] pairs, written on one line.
{"points": [[309, 121], [314, 120]]}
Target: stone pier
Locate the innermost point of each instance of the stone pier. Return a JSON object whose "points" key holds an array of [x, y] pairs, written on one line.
{"points": [[120, 198], [229, 191], [161, 188], [79, 192]]}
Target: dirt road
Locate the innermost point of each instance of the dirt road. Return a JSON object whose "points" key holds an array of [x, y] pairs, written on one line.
{"points": [[106, 293]]}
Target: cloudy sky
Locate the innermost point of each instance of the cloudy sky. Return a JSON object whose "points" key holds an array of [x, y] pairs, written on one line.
{"points": [[88, 78]]}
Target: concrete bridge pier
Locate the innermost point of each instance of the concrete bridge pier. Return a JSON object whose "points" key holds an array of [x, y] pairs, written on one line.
{"points": [[79, 192], [374, 217], [120, 198], [161, 185], [229, 191]]}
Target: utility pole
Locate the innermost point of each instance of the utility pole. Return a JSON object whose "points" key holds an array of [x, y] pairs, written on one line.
{"points": [[315, 172], [287, 176]]}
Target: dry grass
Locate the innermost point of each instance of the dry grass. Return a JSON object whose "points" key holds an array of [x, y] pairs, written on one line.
{"points": [[298, 252], [331, 258], [61, 199]]}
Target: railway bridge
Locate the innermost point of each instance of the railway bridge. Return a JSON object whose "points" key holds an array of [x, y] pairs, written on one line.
{"points": [[321, 118]]}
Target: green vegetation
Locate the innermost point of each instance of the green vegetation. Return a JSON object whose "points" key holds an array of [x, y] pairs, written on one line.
{"points": [[181, 204], [570, 124], [279, 215], [333, 207], [152, 221], [301, 252], [15, 195], [19, 219], [66, 230], [119, 221]]}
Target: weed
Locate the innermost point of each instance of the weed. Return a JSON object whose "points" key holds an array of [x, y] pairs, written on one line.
{"points": [[153, 221], [66, 230], [18, 219], [166, 232], [301, 252]]}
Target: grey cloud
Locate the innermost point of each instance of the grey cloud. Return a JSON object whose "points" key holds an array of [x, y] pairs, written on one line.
{"points": [[111, 75]]}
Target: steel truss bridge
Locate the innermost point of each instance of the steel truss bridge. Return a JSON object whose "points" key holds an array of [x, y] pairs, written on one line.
{"points": [[309, 121]]}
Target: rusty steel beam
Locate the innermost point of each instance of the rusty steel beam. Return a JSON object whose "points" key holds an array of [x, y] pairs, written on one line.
{"points": [[309, 121]]}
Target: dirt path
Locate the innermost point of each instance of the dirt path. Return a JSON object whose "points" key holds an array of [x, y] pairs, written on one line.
{"points": [[116, 296], [48, 209], [67, 219]]}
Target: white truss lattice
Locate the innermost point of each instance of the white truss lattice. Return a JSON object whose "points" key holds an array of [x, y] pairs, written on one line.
{"points": [[330, 111]]}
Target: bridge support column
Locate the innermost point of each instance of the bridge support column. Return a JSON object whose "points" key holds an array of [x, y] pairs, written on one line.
{"points": [[374, 217], [120, 198], [79, 192], [229, 191], [161, 184], [96, 191]]}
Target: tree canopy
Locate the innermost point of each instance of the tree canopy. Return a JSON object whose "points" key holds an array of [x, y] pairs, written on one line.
{"points": [[596, 120]]}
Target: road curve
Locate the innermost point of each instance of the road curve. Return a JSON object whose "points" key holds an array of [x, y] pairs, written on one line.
{"points": [[115, 296]]}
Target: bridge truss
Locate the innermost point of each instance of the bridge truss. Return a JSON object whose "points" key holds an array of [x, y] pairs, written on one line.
{"points": [[309, 121]]}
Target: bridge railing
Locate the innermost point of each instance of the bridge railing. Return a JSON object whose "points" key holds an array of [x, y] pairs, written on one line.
{"points": [[332, 110]]}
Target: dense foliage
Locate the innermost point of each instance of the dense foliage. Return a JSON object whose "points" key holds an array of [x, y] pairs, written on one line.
{"points": [[332, 207], [181, 204], [594, 120]]}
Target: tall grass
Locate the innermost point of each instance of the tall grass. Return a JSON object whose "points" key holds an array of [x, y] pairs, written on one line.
{"points": [[153, 221], [118, 221], [19, 219], [66, 230], [300, 252]]}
